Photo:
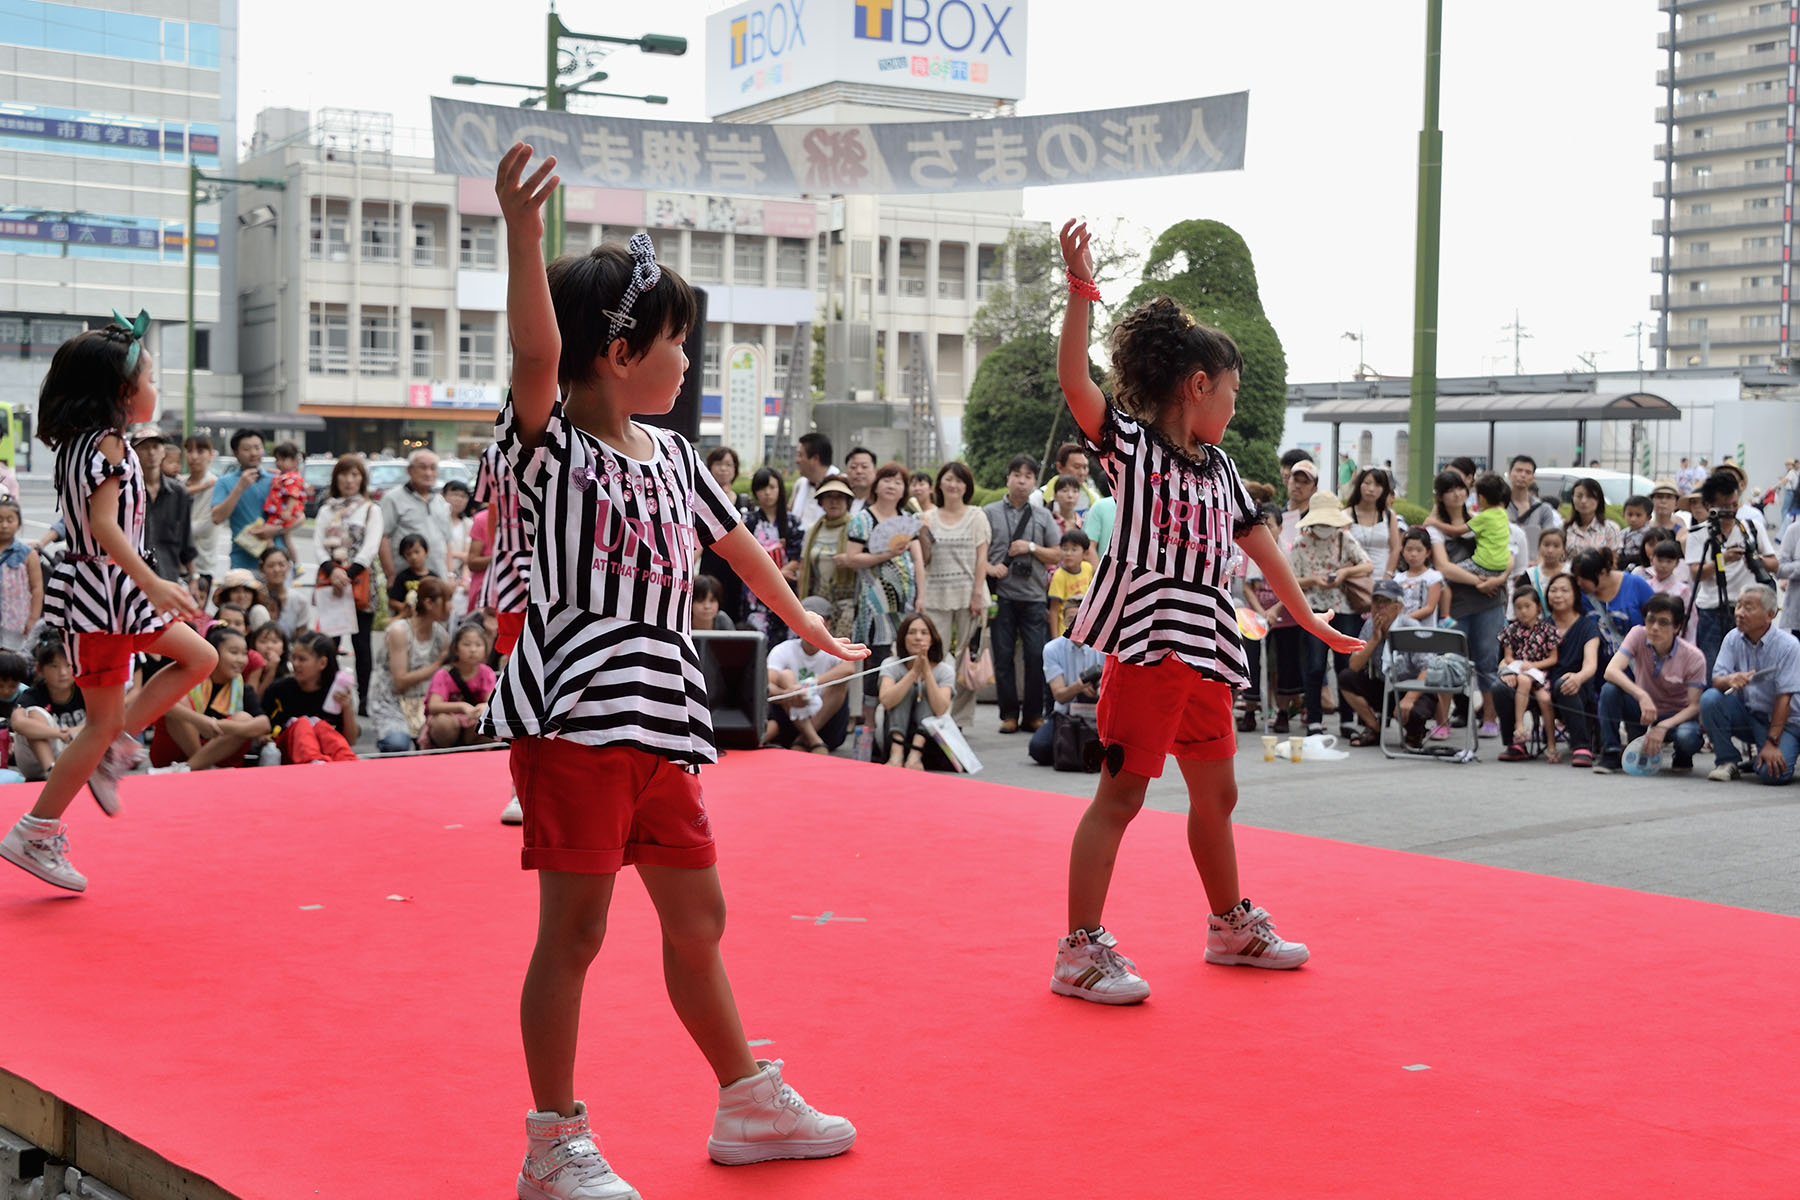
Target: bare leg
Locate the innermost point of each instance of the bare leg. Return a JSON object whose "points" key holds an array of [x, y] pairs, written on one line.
{"points": [[82, 753], [571, 927], [1095, 848], [1521, 702], [444, 730], [227, 749], [1212, 795], [692, 908], [1363, 709]]}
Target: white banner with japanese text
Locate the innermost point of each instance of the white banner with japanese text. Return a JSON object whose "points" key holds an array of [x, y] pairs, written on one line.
{"points": [[1181, 137]]}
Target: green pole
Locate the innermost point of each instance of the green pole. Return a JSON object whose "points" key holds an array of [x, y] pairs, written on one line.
{"points": [[1422, 444], [187, 418], [553, 102]]}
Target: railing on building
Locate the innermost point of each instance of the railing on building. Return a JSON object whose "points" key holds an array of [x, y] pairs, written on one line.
{"points": [[1720, 297]]}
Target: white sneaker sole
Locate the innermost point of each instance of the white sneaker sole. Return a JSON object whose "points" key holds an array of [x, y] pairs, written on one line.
{"points": [[1267, 962], [24, 863], [530, 1191], [738, 1154], [1080, 993]]}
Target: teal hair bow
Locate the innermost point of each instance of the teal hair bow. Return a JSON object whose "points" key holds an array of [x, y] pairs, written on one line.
{"points": [[136, 329]]}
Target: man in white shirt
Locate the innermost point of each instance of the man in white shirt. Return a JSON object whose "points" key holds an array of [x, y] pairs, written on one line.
{"points": [[812, 464], [1715, 593], [818, 719]]}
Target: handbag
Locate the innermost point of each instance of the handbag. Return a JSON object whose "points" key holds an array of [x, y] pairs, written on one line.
{"points": [[975, 661], [1359, 593], [359, 582], [413, 709], [944, 731], [1075, 743], [250, 543]]}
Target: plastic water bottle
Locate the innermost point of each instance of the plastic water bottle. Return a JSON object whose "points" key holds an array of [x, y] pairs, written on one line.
{"points": [[342, 681]]}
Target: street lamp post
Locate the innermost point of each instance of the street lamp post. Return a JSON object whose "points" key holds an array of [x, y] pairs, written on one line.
{"points": [[555, 95], [214, 187]]}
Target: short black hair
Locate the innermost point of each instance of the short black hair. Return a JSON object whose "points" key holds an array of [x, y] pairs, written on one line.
{"points": [[220, 631], [1671, 605], [242, 435], [197, 441], [856, 450], [14, 667], [457, 485], [1666, 548], [411, 540], [1074, 537], [1638, 502], [1063, 481], [1067, 448], [719, 453], [1023, 462], [86, 386], [1492, 489], [817, 446], [1522, 458], [286, 450], [1291, 457], [585, 287], [1720, 483], [1592, 563], [1464, 466], [708, 588]]}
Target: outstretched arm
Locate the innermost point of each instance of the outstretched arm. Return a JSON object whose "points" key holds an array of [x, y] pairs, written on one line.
{"points": [[530, 317], [1260, 545], [1086, 402]]}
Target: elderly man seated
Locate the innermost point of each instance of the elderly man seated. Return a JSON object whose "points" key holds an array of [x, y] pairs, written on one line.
{"points": [[1361, 681], [1752, 693]]}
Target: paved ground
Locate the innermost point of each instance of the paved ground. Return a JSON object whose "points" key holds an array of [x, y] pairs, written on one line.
{"points": [[1733, 844]]}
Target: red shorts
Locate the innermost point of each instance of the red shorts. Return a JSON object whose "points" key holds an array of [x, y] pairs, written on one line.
{"points": [[104, 659], [1168, 708], [594, 809], [511, 626]]}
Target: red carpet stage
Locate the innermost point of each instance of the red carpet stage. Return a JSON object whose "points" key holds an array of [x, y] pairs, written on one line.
{"points": [[300, 983]]}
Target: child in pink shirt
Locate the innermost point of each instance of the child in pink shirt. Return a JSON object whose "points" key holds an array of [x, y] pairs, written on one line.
{"points": [[457, 697]]}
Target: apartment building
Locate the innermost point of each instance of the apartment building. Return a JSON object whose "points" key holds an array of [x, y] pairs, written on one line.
{"points": [[1726, 193], [102, 105]]}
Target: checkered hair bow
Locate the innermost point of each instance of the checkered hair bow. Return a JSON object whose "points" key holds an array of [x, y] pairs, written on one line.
{"points": [[645, 272]]}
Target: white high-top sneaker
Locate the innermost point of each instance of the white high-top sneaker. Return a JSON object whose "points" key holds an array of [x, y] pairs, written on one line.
{"points": [[761, 1117], [1245, 937], [42, 847], [1090, 967], [563, 1161]]}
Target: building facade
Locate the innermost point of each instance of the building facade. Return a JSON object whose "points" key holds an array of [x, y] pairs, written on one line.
{"points": [[102, 104], [1727, 189]]}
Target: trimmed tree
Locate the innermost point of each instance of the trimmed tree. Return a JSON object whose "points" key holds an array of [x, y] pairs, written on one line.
{"points": [[1015, 406], [1206, 268]]}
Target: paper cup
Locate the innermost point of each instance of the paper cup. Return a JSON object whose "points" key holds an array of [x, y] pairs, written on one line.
{"points": [[1268, 748], [1295, 746]]}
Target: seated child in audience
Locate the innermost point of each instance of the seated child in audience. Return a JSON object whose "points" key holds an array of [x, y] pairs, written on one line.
{"points": [[1071, 580], [47, 715], [270, 644], [1552, 561], [914, 690], [240, 590], [406, 580], [1421, 584], [457, 696], [313, 710], [817, 719], [708, 595], [15, 674], [1529, 647], [218, 722]]}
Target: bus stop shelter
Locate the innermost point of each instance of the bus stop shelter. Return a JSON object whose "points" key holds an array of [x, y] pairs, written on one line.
{"points": [[1493, 408]]}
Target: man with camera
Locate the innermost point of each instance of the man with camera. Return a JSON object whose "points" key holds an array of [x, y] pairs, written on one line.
{"points": [[238, 496], [1724, 555], [1072, 673], [1022, 549]]}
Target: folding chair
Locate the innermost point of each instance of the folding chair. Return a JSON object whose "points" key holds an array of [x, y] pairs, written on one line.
{"points": [[1429, 641]]}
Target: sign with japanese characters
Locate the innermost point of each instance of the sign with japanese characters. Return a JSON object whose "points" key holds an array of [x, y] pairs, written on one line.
{"points": [[762, 49], [1182, 137]]}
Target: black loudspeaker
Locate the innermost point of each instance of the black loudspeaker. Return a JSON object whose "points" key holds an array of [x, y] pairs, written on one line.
{"points": [[684, 418], [736, 666]]}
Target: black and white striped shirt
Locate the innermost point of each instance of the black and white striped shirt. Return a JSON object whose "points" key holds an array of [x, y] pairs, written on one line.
{"points": [[87, 592], [606, 658], [1164, 584], [506, 586]]}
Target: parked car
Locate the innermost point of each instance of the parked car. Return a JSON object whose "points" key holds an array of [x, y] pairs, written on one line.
{"points": [[316, 471], [1556, 483]]}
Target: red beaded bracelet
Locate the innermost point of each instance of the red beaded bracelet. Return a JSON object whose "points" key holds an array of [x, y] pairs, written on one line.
{"points": [[1087, 289]]}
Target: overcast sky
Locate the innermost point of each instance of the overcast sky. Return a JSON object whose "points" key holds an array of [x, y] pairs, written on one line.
{"points": [[1548, 111]]}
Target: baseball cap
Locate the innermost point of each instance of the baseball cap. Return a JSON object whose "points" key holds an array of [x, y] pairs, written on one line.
{"points": [[1305, 467], [1386, 589]]}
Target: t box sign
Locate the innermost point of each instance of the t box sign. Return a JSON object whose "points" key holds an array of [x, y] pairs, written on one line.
{"points": [[769, 48]]}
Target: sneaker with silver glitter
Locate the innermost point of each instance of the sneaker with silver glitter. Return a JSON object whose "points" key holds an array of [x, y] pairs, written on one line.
{"points": [[761, 1117], [42, 847], [1090, 967], [1245, 937], [563, 1161]]}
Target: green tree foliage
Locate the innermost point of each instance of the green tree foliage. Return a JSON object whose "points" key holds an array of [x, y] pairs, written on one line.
{"points": [[1031, 298], [1206, 268], [1015, 406]]}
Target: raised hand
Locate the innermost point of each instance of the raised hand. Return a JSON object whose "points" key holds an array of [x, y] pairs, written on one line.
{"points": [[521, 203], [1076, 254]]}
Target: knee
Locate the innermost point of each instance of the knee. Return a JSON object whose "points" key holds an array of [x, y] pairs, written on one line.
{"points": [[1710, 700], [393, 743], [576, 940], [696, 932]]}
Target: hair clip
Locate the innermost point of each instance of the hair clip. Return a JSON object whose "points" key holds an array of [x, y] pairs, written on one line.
{"points": [[135, 328], [645, 274]]}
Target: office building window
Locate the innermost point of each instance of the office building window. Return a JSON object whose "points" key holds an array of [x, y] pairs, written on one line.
{"points": [[1760, 202], [790, 263], [1697, 285], [380, 240], [1696, 324], [749, 260], [1699, 247], [781, 361], [479, 245], [378, 345], [328, 340], [710, 378], [329, 237], [667, 243], [424, 350], [708, 263], [424, 252], [475, 350]]}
